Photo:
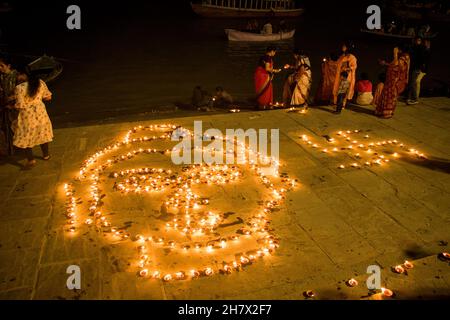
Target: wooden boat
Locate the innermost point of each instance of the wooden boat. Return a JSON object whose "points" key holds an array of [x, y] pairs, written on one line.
{"points": [[47, 67], [5, 7], [236, 35], [392, 35], [246, 8], [387, 35]]}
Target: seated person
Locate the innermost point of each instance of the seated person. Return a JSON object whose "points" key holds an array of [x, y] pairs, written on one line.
{"points": [[283, 26], [364, 90], [201, 98], [252, 26], [222, 98], [267, 28], [411, 32]]}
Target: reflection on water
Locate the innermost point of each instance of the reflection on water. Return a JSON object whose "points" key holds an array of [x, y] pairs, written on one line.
{"points": [[125, 64]]}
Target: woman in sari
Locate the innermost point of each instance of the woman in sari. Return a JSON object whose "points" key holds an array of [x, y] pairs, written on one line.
{"points": [[325, 91], [348, 63], [396, 82], [263, 79], [300, 58], [303, 80]]}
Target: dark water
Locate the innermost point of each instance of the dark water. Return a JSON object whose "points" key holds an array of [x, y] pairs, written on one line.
{"points": [[134, 57]]}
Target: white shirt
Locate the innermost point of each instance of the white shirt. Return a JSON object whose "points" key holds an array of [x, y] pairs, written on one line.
{"points": [[267, 29]]}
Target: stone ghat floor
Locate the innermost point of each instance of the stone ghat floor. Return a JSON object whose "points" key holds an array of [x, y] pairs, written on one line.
{"points": [[336, 224]]}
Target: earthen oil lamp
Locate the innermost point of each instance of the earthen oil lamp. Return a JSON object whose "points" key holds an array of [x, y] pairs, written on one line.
{"points": [[352, 283], [387, 293], [398, 269], [408, 265], [309, 294], [445, 256]]}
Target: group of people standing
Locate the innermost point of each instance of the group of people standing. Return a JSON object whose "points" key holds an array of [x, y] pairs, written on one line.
{"points": [[24, 119], [339, 85]]}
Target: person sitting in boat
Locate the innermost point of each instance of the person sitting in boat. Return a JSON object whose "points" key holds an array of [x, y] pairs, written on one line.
{"points": [[391, 28], [364, 90], [411, 32], [252, 26], [267, 28], [425, 32], [282, 27], [222, 99]]}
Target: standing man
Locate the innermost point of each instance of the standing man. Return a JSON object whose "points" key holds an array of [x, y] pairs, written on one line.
{"points": [[419, 64]]}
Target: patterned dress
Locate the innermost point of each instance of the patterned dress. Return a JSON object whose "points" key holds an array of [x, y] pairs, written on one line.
{"points": [[33, 126]]}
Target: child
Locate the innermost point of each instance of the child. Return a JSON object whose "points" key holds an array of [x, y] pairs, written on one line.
{"points": [[344, 86]]}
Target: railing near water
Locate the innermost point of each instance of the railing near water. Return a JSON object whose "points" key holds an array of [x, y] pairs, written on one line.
{"points": [[252, 4]]}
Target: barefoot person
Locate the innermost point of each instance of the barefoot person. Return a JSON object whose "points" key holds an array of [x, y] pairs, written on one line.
{"points": [[396, 81], [348, 63], [263, 79], [303, 81], [300, 58], [325, 91], [33, 126]]}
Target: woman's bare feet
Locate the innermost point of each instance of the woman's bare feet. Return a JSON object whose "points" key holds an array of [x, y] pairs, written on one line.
{"points": [[46, 158], [30, 164]]}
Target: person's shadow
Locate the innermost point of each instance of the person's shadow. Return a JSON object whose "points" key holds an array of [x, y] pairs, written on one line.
{"points": [[13, 160], [360, 109], [435, 164]]}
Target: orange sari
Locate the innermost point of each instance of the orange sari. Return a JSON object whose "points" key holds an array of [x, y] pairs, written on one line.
{"points": [[325, 92], [347, 62]]}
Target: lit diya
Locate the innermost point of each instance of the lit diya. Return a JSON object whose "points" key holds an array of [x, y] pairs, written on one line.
{"points": [[352, 283], [398, 269], [386, 292], [309, 294], [143, 273], [408, 265], [445, 256]]}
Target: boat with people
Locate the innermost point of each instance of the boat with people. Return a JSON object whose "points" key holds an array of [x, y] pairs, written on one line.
{"points": [[5, 7], [236, 35], [393, 35], [246, 8], [433, 11]]}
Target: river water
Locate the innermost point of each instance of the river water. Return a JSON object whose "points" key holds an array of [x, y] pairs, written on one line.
{"points": [[135, 58]]}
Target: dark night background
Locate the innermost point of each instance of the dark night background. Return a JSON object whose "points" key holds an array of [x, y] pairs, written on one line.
{"points": [[136, 56]]}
